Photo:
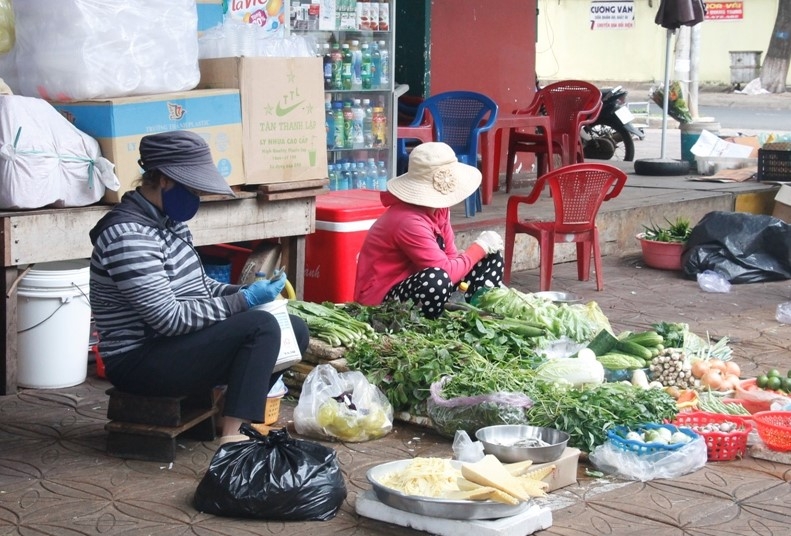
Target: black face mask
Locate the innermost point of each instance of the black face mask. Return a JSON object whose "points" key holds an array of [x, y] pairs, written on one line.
{"points": [[179, 204]]}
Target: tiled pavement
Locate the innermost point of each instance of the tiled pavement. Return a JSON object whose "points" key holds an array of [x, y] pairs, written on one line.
{"points": [[56, 479]]}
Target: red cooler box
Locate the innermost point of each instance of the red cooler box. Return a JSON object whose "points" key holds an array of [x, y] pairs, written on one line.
{"points": [[342, 222]]}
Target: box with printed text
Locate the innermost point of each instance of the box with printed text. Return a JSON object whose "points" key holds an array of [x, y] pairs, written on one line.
{"points": [[118, 124], [283, 123]]}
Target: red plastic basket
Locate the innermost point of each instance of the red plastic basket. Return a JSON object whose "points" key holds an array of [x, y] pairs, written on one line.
{"points": [[774, 429], [721, 446]]}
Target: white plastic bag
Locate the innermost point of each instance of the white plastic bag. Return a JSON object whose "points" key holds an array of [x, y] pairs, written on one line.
{"points": [[341, 405], [47, 161], [85, 49], [644, 467], [711, 281]]}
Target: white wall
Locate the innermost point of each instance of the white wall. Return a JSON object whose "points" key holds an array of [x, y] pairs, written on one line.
{"points": [[568, 49]]}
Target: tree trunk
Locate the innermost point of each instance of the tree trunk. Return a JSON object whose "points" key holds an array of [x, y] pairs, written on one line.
{"points": [[775, 67]]}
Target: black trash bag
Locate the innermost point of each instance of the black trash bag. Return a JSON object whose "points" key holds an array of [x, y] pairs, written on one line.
{"points": [[743, 248], [273, 477]]}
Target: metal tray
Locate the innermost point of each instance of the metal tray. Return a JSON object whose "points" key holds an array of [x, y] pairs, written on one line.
{"points": [[559, 297], [429, 506]]}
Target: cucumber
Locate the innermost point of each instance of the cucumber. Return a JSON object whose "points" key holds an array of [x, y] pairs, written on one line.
{"points": [[616, 361], [632, 348], [645, 338], [603, 342]]}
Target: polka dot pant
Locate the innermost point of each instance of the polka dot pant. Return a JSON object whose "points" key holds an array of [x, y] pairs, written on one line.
{"points": [[430, 288]]}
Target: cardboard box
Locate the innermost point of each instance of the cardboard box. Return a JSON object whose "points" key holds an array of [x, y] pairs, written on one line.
{"points": [[283, 123], [565, 473], [782, 208], [118, 125]]}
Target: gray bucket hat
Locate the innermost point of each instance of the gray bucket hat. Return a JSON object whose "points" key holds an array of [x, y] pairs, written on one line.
{"points": [[184, 157]]}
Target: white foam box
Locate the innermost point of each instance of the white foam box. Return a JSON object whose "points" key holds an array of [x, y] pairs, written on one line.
{"points": [[118, 124], [283, 128], [782, 208], [565, 473]]}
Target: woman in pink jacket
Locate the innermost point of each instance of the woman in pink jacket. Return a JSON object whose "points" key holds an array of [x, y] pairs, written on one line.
{"points": [[409, 253]]}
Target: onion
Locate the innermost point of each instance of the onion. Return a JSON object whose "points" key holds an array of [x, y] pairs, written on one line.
{"points": [[712, 379], [732, 368], [717, 364], [700, 367]]}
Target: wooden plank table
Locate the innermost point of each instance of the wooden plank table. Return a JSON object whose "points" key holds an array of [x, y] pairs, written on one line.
{"points": [[47, 235]]}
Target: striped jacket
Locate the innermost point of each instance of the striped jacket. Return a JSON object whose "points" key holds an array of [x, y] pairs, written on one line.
{"points": [[147, 280]]}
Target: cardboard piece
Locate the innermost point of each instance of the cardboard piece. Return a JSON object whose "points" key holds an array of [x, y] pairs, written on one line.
{"points": [[730, 175], [712, 145], [284, 135], [782, 208], [118, 125], [750, 141]]}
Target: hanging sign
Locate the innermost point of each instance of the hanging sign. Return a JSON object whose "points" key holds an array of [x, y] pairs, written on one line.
{"points": [[612, 14], [724, 10]]}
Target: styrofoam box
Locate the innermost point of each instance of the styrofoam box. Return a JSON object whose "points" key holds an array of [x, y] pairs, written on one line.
{"points": [[710, 165]]}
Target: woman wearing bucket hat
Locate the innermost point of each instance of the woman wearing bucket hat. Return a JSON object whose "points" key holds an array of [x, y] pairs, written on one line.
{"points": [[410, 253], [165, 327]]}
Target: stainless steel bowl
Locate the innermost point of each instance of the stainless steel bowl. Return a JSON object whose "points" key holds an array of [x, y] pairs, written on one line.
{"points": [[559, 297], [429, 506], [500, 441]]}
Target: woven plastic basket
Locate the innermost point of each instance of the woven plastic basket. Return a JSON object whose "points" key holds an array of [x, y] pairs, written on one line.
{"points": [[721, 446], [617, 437], [774, 429]]}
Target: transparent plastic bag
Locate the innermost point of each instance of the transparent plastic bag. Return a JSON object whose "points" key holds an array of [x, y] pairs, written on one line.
{"points": [[7, 37], [465, 449], [711, 281], [342, 405], [610, 459], [471, 413], [783, 313]]}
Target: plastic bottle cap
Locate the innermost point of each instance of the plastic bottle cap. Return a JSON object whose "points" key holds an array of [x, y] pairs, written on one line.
{"points": [[463, 286]]}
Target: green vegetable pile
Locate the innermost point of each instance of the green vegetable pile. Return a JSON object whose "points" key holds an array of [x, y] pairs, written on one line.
{"points": [[586, 414]]}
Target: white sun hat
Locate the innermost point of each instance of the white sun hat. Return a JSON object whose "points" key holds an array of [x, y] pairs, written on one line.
{"points": [[435, 178]]}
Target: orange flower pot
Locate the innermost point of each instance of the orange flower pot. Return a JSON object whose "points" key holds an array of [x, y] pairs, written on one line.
{"points": [[661, 255]]}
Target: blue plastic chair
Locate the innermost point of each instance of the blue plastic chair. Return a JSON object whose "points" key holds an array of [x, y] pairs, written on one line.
{"points": [[458, 118]]}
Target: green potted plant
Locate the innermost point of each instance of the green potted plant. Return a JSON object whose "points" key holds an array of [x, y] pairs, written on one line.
{"points": [[662, 245]]}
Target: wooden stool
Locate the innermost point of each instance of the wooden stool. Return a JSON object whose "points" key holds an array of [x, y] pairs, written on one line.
{"points": [[146, 427]]}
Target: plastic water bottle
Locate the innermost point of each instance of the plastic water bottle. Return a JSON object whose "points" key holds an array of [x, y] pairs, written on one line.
{"points": [[358, 117], [337, 112], [333, 177], [361, 182], [357, 62], [384, 72], [346, 67], [327, 65], [329, 124], [368, 124], [376, 66], [337, 66], [365, 67], [348, 120], [346, 176], [381, 179], [372, 175]]}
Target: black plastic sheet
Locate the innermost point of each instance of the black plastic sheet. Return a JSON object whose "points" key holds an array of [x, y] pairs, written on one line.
{"points": [[272, 477], [743, 248]]}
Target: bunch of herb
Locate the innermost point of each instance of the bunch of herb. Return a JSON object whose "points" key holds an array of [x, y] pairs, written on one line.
{"points": [[587, 414], [404, 366], [390, 316], [486, 380], [675, 231]]}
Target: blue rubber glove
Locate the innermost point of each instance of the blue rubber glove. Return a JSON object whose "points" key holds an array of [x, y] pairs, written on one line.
{"points": [[264, 291]]}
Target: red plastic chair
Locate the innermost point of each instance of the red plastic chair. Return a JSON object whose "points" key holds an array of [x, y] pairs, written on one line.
{"points": [[578, 191], [570, 104]]}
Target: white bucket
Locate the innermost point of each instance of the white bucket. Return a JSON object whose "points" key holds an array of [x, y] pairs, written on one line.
{"points": [[53, 325]]}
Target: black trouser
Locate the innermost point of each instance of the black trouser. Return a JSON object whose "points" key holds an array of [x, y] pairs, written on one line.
{"points": [[239, 352]]}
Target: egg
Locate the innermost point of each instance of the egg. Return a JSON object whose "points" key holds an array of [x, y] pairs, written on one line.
{"points": [[700, 367], [712, 379], [733, 368]]}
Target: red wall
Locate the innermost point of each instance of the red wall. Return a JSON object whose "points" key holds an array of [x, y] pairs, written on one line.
{"points": [[484, 46]]}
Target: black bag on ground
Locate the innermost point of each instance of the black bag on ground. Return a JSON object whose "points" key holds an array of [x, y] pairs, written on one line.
{"points": [[743, 248], [272, 477]]}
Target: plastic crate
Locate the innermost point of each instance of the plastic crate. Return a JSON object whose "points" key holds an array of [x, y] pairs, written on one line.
{"points": [[617, 433], [774, 429], [774, 164], [721, 446]]}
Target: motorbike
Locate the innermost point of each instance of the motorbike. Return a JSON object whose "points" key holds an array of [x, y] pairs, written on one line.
{"points": [[612, 135]]}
